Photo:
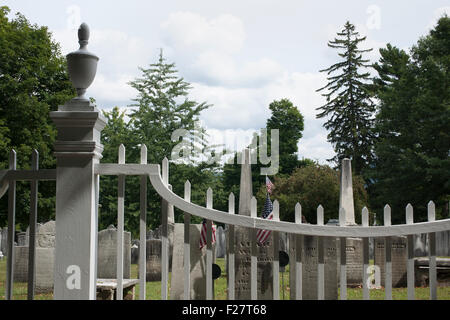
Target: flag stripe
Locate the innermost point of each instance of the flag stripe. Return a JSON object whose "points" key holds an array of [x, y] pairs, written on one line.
{"points": [[203, 237]]}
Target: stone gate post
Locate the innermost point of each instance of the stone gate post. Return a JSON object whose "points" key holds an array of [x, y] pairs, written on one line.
{"points": [[77, 150]]}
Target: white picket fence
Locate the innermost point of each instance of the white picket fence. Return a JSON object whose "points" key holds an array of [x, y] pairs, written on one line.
{"points": [[159, 178]]}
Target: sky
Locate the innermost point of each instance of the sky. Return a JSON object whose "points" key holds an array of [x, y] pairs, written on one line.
{"points": [[239, 56]]}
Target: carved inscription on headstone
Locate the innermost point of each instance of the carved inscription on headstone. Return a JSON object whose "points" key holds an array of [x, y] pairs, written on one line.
{"points": [[243, 266], [399, 254]]}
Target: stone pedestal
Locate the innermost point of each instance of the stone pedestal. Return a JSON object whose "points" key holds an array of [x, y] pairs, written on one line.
{"points": [[399, 254]]}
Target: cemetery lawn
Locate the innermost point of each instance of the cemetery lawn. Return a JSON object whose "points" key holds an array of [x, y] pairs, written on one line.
{"points": [[153, 289]]}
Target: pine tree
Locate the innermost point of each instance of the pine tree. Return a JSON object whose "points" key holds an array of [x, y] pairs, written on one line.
{"points": [[348, 108], [163, 107], [412, 163]]}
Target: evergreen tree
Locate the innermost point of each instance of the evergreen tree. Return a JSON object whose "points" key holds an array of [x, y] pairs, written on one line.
{"points": [[348, 108], [412, 163], [162, 106], [289, 121]]}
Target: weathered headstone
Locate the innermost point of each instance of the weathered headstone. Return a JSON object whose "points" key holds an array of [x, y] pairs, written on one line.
{"points": [[243, 246], [44, 257], [107, 254], [198, 264], [220, 242], [153, 260], [4, 247], [354, 261], [399, 254], [310, 259]]}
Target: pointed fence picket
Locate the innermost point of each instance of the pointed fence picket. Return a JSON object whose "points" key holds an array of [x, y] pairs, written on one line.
{"points": [[187, 244], [298, 255], [432, 253], [209, 256], [410, 246], [320, 262], [164, 234], [230, 250], [343, 258], [365, 223], [254, 256], [276, 262], [143, 229], [387, 256], [120, 225]]}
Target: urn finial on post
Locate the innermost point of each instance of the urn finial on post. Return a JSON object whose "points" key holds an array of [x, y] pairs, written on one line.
{"points": [[82, 64]]}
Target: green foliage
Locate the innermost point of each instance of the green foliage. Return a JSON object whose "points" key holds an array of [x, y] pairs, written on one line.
{"points": [[289, 121], [311, 186], [348, 109], [412, 163], [33, 82]]}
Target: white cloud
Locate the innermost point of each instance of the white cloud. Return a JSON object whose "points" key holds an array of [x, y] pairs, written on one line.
{"points": [[438, 13], [190, 32]]}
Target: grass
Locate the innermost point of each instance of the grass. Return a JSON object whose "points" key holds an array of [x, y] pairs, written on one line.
{"points": [[153, 289]]}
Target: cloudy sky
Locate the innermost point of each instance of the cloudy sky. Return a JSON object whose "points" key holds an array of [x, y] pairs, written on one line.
{"points": [[238, 55]]}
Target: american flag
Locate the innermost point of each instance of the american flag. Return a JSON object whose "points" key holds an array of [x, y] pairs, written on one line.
{"points": [[203, 233], [269, 185], [262, 235]]}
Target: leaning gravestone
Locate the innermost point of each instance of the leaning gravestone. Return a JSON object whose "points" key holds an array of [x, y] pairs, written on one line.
{"points": [[44, 257], [198, 264], [107, 254], [153, 260], [310, 260], [399, 256], [243, 243]]}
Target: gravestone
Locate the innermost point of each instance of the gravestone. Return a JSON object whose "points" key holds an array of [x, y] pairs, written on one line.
{"points": [[153, 260], [354, 261], [156, 234], [243, 242], [310, 259], [22, 239], [399, 255], [220, 242], [198, 264], [44, 257], [4, 247], [107, 254], [354, 246]]}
